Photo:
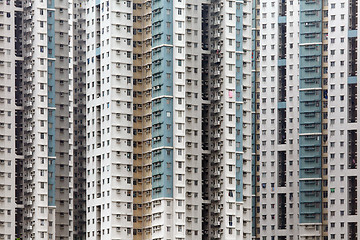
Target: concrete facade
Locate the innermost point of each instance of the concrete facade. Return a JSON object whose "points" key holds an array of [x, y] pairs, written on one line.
{"points": [[173, 119]]}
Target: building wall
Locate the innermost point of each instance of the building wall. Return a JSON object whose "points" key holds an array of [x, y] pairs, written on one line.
{"points": [[7, 121], [256, 111], [62, 114], [109, 119], [79, 119], [188, 180], [142, 83], [278, 135], [229, 113], [178, 119], [71, 37], [163, 152], [38, 203], [342, 120], [310, 97]]}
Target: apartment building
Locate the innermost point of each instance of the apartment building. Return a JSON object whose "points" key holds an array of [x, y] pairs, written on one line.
{"points": [[178, 119], [103, 92], [306, 182], [78, 99], [255, 120], [176, 108], [142, 105], [109, 119], [187, 140], [277, 171], [342, 91], [36, 152], [146, 108], [7, 121], [229, 112]]}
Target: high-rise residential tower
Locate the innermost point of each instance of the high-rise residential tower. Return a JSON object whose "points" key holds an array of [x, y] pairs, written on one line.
{"points": [[155, 93], [142, 87], [307, 182], [8, 62], [109, 119], [78, 99], [130, 119], [255, 127], [178, 119], [341, 92], [201, 120], [36, 116], [44, 100], [277, 105]]}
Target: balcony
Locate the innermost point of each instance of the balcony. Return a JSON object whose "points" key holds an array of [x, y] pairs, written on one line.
{"points": [[353, 14], [352, 195], [352, 43], [281, 169], [352, 103], [352, 149]]}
